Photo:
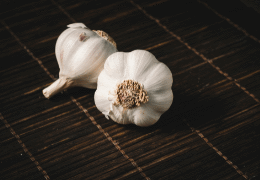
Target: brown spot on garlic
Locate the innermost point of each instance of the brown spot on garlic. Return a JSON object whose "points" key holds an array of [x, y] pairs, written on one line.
{"points": [[105, 36], [130, 94], [83, 37], [61, 54]]}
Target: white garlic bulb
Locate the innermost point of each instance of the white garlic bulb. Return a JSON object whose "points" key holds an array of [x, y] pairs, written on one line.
{"points": [[134, 88], [81, 54]]}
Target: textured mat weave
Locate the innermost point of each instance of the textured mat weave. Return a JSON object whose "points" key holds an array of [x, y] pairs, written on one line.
{"points": [[211, 130]]}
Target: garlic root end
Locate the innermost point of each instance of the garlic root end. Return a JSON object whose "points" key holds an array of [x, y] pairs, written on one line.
{"points": [[56, 87]]}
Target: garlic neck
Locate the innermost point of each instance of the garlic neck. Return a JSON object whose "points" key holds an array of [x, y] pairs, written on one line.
{"points": [[130, 94], [59, 85]]}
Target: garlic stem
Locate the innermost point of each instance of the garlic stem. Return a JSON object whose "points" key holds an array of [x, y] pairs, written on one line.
{"points": [[59, 85]]}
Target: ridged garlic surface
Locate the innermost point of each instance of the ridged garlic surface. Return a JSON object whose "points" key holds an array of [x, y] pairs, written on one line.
{"points": [[134, 88], [81, 54]]}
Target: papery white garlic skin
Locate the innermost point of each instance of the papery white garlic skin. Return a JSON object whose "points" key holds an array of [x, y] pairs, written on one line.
{"points": [[140, 66], [81, 54]]}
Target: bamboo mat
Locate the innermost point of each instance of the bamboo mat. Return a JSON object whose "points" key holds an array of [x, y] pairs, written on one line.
{"points": [[211, 130]]}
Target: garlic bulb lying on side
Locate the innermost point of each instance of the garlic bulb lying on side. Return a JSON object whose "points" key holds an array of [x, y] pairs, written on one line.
{"points": [[134, 88], [81, 54]]}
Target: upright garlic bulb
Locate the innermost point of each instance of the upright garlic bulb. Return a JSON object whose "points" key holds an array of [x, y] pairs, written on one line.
{"points": [[81, 54], [134, 88]]}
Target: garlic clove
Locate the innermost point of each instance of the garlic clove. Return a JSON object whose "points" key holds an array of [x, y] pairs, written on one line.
{"points": [[143, 116], [118, 65], [59, 49], [160, 102], [81, 54], [106, 93], [158, 78], [139, 63]]}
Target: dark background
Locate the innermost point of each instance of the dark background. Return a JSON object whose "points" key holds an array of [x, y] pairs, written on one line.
{"points": [[211, 131]]}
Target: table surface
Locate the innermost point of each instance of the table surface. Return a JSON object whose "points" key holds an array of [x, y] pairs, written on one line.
{"points": [[211, 130]]}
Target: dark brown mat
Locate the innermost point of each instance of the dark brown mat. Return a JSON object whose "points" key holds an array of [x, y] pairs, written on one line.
{"points": [[211, 130]]}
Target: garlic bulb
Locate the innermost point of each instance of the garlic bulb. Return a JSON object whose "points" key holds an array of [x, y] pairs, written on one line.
{"points": [[134, 88], [81, 54]]}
